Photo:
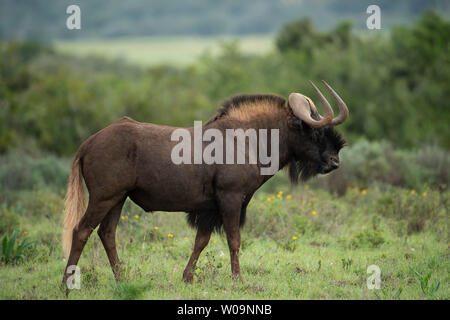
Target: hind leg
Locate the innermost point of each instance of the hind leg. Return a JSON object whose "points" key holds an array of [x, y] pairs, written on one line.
{"points": [[201, 240], [95, 213], [107, 233]]}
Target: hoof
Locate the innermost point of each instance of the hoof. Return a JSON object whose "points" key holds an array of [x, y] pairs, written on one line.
{"points": [[188, 277], [238, 277]]}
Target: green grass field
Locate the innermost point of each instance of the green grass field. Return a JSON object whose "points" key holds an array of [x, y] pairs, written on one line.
{"points": [[179, 51], [298, 244]]}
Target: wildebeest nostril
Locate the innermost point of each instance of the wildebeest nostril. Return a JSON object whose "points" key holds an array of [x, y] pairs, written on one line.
{"points": [[334, 163]]}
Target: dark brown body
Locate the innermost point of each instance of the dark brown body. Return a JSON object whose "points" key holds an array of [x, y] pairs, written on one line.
{"points": [[133, 159]]}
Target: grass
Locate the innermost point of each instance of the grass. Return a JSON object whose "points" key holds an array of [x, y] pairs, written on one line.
{"points": [[309, 245], [179, 51]]}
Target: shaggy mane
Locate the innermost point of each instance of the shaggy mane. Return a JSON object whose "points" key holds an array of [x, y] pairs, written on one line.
{"points": [[245, 107]]}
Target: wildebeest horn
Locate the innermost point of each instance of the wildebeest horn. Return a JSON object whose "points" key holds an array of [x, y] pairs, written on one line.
{"points": [[302, 107], [301, 110], [343, 110]]}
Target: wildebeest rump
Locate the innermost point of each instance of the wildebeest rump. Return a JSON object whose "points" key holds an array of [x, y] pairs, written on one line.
{"points": [[130, 159]]}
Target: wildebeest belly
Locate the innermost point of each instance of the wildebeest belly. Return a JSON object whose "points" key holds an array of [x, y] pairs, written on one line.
{"points": [[165, 186], [167, 196]]}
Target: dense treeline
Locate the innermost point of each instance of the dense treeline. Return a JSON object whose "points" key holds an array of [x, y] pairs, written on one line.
{"points": [[397, 87], [46, 19]]}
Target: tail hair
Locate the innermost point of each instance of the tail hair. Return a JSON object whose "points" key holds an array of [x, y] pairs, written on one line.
{"points": [[74, 204]]}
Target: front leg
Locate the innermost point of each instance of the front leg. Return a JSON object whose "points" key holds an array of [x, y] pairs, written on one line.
{"points": [[230, 208]]}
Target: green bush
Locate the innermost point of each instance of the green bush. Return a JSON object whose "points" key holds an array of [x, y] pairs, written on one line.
{"points": [[55, 102], [43, 203], [416, 209], [366, 163], [9, 219], [367, 238], [11, 253], [21, 171]]}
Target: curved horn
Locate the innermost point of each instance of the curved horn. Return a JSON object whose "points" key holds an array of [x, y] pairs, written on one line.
{"points": [[312, 106], [302, 110], [343, 110], [302, 107]]}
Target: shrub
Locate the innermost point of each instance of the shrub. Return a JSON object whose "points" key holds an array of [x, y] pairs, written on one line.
{"points": [[42, 203], [21, 171], [437, 161], [56, 102], [416, 209], [367, 238], [367, 163], [10, 252], [8, 219]]}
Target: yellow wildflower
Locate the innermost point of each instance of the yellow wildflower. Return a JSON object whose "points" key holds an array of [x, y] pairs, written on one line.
{"points": [[294, 238], [289, 196], [156, 228], [185, 238], [136, 216], [170, 235], [413, 191], [424, 194], [269, 199], [314, 213], [214, 242], [25, 232], [363, 191]]}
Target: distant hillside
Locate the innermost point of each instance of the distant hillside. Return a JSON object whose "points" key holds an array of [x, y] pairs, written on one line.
{"points": [[45, 19]]}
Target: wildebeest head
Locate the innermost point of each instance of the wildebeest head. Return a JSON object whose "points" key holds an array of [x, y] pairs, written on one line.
{"points": [[316, 143]]}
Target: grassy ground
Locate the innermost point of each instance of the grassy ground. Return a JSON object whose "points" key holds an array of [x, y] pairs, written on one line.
{"points": [[179, 51], [307, 244]]}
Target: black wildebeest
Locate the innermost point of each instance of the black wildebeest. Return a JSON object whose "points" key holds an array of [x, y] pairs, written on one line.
{"points": [[133, 159]]}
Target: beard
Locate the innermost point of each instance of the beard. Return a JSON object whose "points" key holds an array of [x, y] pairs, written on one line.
{"points": [[304, 170]]}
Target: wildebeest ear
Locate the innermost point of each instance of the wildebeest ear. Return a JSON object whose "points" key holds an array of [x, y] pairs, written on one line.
{"points": [[295, 123]]}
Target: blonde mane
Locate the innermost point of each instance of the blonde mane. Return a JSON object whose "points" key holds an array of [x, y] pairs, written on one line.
{"points": [[247, 107]]}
